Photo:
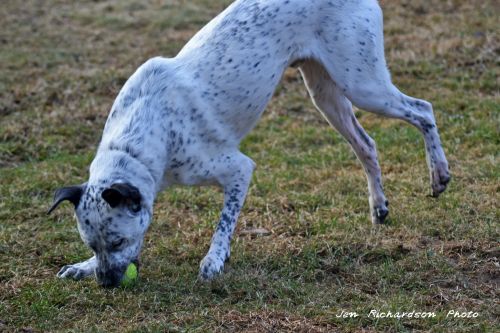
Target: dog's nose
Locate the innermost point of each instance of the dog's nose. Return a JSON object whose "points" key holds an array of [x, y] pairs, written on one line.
{"points": [[105, 283], [108, 279]]}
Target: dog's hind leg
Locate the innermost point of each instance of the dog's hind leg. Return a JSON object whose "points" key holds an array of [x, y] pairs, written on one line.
{"points": [[78, 271], [337, 109], [233, 172], [353, 55], [390, 102]]}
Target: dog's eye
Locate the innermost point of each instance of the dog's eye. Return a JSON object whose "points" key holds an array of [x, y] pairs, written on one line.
{"points": [[116, 244], [135, 208]]}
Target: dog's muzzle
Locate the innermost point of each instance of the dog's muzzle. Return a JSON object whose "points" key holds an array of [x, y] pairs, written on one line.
{"points": [[110, 277]]}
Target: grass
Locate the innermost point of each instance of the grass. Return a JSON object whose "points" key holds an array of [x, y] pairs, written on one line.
{"points": [[63, 62]]}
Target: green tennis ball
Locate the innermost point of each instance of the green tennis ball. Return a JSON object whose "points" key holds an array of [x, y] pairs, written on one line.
{"points": [[130, 276]]}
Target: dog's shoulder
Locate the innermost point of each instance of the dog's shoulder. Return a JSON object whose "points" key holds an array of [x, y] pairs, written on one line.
{"points": [[155, 82]]}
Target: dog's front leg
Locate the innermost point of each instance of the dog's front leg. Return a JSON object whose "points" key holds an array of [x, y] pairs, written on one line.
{"points": [[78, 271], [236, 171]]}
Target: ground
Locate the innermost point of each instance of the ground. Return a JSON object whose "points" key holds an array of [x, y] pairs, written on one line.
{"points": [[62, 63]]}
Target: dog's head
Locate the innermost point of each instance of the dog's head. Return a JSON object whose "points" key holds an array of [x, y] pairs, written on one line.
{"points": [[112, 221]]}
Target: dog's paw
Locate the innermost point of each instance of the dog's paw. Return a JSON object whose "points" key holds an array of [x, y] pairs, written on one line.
{"points": [[440, 179], [77, 271], [380, 212], [210, 267], [72, 272]]}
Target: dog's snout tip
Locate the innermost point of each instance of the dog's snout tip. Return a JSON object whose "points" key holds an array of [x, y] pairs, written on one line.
{"points": [[108, 284], [110, 278]]}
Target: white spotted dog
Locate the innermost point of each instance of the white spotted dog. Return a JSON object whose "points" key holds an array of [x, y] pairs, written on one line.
{"points": [[181, 120]]}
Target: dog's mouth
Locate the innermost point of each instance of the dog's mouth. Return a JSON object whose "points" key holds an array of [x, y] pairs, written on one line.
{"points": [[112, 277], [137, 263], [109, 278]]}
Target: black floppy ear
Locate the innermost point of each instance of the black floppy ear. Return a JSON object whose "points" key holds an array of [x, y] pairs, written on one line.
{"points": [[123, 193], [70, 193]]}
